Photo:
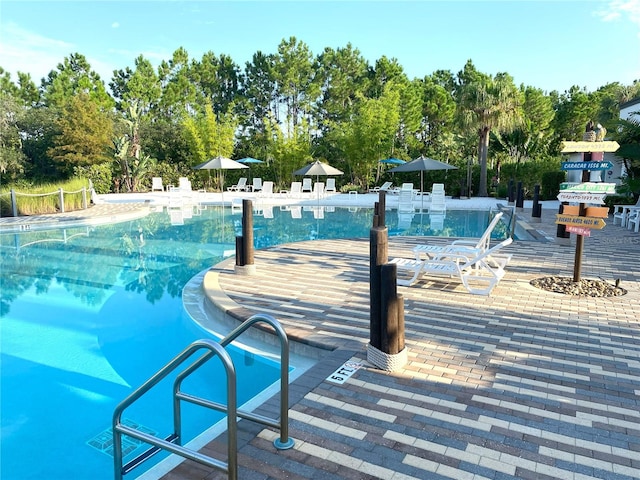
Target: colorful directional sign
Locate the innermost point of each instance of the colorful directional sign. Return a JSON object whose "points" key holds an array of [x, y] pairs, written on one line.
{"points": [[580, 147], [585, 222], [585, 232], [586, 165], [589, 187], [582, 197]]}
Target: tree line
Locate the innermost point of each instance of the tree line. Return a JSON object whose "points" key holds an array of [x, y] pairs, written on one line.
{"points": [[287, 109]]}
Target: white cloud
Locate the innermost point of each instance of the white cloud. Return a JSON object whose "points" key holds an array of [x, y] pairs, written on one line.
{"points": [[621, 9], [28, 52], [115, 25]]}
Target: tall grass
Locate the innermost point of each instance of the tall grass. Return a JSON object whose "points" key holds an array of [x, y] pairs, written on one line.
{"points": [[44, 198]]}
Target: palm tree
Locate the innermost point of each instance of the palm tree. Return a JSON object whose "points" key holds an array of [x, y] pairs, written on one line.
{"points": [[486, 104]]}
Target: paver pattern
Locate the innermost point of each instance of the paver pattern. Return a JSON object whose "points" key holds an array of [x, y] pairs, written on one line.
{"points": [[522, 384]]}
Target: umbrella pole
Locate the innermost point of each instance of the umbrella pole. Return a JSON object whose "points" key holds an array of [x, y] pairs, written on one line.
{"points": [[421, 192]]}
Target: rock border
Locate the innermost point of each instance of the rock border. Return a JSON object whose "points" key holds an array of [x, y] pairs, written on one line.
{"points": [[582, 288]]}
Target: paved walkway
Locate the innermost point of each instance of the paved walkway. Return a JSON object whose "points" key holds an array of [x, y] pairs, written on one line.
{"points": [[522, 384]]}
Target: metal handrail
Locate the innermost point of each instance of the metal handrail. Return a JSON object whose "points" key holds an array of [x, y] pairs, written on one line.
{"points": [[284, 442], [172, 442]]}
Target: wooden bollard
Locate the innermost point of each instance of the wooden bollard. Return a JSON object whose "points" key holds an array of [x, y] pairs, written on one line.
{"points": [[378, 256], [244, 244], [239, 251], [382, 207], [247, 231], [390, 323]]}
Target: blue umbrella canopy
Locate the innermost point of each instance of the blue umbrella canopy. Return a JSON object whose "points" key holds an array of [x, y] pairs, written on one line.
{"points": [[392, 161], [249, 160]]}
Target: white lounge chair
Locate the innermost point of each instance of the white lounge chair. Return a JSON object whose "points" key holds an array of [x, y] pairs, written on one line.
{"points": [[464, 246], [256, 185], [405, 198], [385, 187], [296, 190], [241, 186], [438, 203], [318, 190], [306, 185], [156, 184], [184, 184], [331, 186], [266, 191], [479, 273]]}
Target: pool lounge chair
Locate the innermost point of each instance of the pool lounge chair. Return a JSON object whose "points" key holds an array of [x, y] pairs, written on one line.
{"points": [[405, 198], [306, 185], [385, 187], [296, 190], [331, 186], [256, 184], [468, 246], [156, 184], [479, 273], [241, 186], [266, 191], [318, 190]]}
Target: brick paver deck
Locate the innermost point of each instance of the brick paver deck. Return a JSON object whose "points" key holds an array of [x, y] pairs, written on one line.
{"points": [[522, 384]]}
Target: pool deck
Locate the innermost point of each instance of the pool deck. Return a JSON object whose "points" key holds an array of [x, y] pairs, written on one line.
{"points": [[520, 384]]}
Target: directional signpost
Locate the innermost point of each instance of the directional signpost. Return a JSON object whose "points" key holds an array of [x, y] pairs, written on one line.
{"points": [[581, 147], [581, 197], [585, 193], [586, 165]]}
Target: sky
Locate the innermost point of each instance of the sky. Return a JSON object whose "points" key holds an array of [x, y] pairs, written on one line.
{"points": [[548, 44]]}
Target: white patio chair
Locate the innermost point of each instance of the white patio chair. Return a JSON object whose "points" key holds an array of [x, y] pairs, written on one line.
{"points": [[306, 185], [479, 273], [331, 186], [633, 220], [621, 212], [256, 184]]}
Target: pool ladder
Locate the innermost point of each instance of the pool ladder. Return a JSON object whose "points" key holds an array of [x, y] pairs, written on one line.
{"points": [[172, 443]]}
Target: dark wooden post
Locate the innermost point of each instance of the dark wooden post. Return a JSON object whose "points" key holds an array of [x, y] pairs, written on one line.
{"points": [[239, 251], [378, 256], [511, 193], [561, 230], [536, 211], [577, 262], [520, 197], [247, 231], [392, 311], [382, 207]]}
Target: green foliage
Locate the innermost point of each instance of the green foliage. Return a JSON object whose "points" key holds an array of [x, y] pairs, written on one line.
{"points": [[85, 134], [550, 184], [100, 175], [545, 172]]}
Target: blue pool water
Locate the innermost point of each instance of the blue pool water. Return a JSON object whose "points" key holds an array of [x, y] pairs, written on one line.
{"points": [[88, 314]]}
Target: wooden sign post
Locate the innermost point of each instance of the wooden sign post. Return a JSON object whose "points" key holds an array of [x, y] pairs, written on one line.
{"points": [[586, 218]]}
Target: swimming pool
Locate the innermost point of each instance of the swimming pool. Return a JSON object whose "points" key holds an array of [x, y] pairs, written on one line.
{"points": [[88, 314]]}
